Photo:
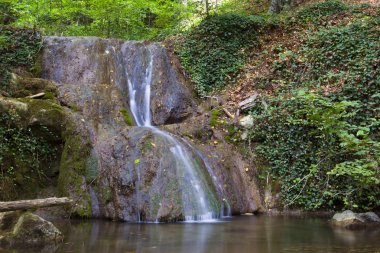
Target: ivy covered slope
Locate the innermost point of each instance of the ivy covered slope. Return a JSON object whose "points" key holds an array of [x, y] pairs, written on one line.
{"points": [[214, 51], [316, 134], [318, 127]]}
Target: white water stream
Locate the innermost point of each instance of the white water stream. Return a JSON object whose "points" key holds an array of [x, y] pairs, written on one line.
{"points": [[185, 165]]}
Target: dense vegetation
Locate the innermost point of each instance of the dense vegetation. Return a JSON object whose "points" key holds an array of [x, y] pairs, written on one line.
{"points": [[213, 51], [127, 19], [320, 130]]}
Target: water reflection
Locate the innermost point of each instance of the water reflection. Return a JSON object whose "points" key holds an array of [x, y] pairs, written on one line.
{"points": [[237, 235]]}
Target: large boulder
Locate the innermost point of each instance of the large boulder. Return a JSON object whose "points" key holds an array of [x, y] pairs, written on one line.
{"points": [[369, 217], [23, 229], [349, 219]]}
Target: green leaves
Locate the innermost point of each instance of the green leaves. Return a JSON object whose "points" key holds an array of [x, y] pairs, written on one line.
{"points": [[213, 52], [127, 19], [359, 170]]}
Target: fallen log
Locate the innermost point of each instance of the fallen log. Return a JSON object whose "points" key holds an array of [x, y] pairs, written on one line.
{"points": [[33, 204]]}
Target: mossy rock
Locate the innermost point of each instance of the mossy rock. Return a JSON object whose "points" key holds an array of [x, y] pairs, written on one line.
{"points": [[27, 229], [128, 118], [34, 112], [26, 86]]}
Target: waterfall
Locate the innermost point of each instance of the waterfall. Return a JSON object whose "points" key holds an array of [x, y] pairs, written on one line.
{"points": [[202, 209], [118, 95]]}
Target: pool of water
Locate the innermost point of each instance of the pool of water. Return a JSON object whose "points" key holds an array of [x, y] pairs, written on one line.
{"points": [[253, 234]]}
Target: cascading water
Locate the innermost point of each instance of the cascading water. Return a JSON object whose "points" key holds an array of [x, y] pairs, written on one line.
{"points": [[201, 210], [226, 208]]}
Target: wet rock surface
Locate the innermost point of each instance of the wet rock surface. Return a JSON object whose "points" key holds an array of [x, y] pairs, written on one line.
{"points": [[24, 229], [234, 175]]}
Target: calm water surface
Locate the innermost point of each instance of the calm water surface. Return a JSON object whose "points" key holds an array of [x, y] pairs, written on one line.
{"points": [[236, 235]]}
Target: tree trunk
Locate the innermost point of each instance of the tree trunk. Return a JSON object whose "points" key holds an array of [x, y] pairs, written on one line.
{"points": [[32, 204]]}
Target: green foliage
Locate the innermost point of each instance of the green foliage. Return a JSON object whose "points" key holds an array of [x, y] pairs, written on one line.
{"points": [[342, 59], [18, 49], [213, 51], [127, 19], [24, 156], [320, 132], [7, 13], [316, 12], [49, 95]]}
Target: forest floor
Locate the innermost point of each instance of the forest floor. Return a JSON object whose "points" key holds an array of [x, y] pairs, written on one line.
{"points": [[260, 61]]}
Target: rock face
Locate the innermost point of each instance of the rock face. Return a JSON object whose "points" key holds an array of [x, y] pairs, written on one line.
{"points": [[349, 219], [93, 61], [114, 170], [19, 229]]}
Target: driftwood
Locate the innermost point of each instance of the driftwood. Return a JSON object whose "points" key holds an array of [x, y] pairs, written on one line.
{"points": [[33, 204], [38, 95], [228, 113], [249, 102]]}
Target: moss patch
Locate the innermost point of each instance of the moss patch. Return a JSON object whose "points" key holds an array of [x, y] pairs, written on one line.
{"points": [[128, 119], [74, 162], [215, 113]]}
